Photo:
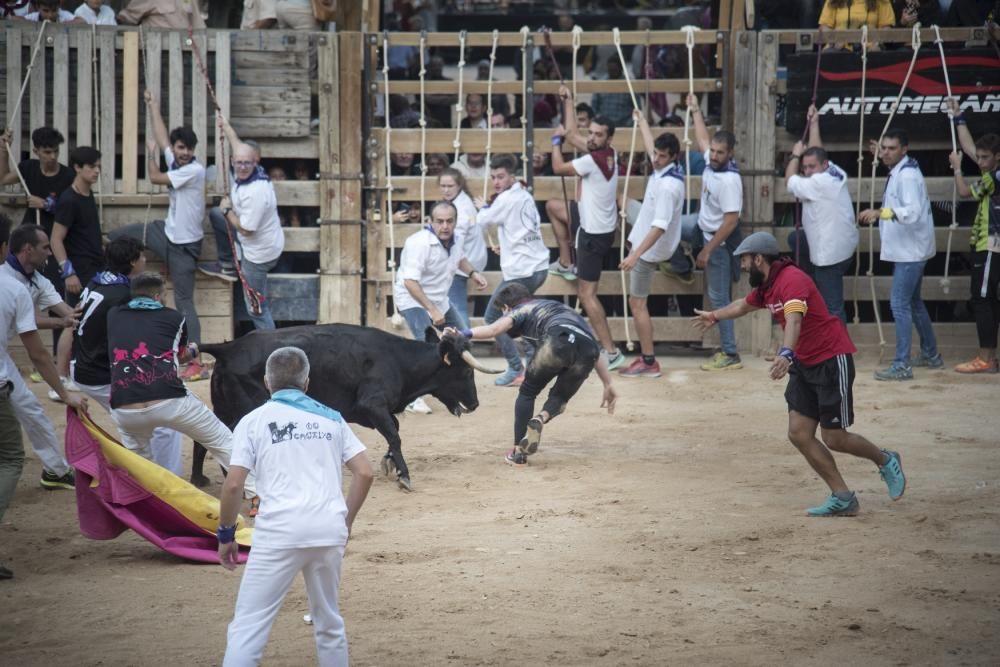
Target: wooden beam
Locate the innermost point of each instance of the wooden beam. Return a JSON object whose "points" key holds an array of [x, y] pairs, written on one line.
{"points": [[175, 61], [130, 112], [351, 154], [939, 188], [108, 88], [330, 303], [84, 88], [884, 35], [407, 188], [36, 85], [587, 38], [223, 92], [152, 81], [584, 86], [60, 90], [14, 80], [199, 98], [959, 241]]}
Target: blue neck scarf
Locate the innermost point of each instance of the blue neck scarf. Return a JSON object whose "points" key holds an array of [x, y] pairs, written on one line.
{"points": [[257, 174], [110, 278], [447, 246], [16, 265], [144, 303], [675, 170], [296, 398]]}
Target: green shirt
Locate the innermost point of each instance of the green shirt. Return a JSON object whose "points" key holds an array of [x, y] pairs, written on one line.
{"points": [[987, 220]]}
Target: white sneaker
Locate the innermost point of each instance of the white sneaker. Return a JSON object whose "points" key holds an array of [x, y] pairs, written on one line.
{"points": [[67, 384], [419, 407]]}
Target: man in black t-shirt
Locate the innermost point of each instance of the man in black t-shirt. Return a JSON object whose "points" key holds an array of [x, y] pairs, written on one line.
{"points": [[90, 366], [566, 351], [146, 343]]}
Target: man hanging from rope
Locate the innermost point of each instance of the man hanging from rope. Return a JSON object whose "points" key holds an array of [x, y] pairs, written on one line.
{"points": [[177, 240], [907, 231], [593, 221], [250, 213], [985, 238]]}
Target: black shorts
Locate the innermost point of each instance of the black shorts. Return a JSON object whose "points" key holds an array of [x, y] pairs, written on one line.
{"points": [[591, 250], [823, 392]]}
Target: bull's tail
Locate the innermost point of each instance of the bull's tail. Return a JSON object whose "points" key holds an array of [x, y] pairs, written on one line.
{"points": [[213, 348]]}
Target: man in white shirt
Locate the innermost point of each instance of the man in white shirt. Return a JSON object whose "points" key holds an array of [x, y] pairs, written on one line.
{"points": [[297, 447], [49, 10], [653, 239], [427, 266], [472, 165], [831, 235], [715, 231], [96, 13], [29, 252], [17, 314], [597, 210], [177, 240], [906, 227], [249, 215], [524, 258]]}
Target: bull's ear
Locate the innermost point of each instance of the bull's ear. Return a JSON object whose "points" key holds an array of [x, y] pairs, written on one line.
{"points": [[431, 335]]}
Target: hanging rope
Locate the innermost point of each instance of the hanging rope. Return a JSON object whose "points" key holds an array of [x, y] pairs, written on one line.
{"points": [[577, 33], [689, 31], [489, 129], [915, 44], [145, 69], [524, 90], [946, 281], [547, 34], [460, 102], [622, 208], [423, 125], [16, 116], [396, 319], [805, 136], [97, 114], [861, 175]]}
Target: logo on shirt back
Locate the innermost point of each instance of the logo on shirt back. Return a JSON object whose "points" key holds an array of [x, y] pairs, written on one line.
{"points": [[281, 434]]}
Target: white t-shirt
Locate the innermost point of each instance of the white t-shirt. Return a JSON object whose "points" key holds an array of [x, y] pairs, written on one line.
{"points": [[909, 237], [298, 458], [827, 215], [721, 193], [16, 314], [425, 260], [598, 195], [41, 291], [64, 17], [474, 245], [257, 207], [661, 207], [104, 17], [185, 219], [522, 250]]}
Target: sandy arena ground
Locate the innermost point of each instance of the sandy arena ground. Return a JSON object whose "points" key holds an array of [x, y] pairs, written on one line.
{"points": [[671, 533]]}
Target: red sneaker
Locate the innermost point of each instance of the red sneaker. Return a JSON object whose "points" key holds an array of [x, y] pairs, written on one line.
{"points": [[194, 372], [978, 365], [639, 368]]}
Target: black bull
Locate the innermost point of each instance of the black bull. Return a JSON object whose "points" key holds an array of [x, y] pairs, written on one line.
{"points": [[366, 374]]}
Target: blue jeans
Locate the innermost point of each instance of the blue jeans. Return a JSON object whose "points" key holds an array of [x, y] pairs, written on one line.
{"points": [[908, 310], [493, 313], [458, 295], [829, 279], [720, 272], [419, 319], [255, 274]]}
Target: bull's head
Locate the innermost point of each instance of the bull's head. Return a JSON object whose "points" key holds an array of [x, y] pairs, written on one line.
{"points": [[457, 382]]}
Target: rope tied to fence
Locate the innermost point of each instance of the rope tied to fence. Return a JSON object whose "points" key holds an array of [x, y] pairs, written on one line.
{"points": [[915, 45], [547, 34], [97, 113], [805, 135], [489, 129], [16, 116], [945, 280], [689, 31], [623, 206], [423, 123], [861, 168], [525, 31], [460, 102], [396, 319], [149, 196]]}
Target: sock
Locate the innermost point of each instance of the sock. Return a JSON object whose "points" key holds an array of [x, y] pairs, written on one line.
{"points": [[649, 359], [844, 495]]}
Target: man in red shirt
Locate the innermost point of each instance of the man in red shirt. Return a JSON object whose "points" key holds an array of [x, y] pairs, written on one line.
{"points": [[816, 353]]}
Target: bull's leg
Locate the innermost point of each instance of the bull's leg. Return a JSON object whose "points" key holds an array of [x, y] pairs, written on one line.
{"points": [[386, 423], [198, 466]]}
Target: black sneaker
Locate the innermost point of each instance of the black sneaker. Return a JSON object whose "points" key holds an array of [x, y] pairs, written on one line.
{"points": [[217, 270], [52, 481], [529, 443], [515, 457]]}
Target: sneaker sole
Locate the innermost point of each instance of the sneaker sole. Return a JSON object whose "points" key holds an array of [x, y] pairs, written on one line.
{"points": [[893, 379], [52, 486], [529, 443], [834, 515], [979, 371], [640, 374], [731, 367], [220, 276], [511, 462]]}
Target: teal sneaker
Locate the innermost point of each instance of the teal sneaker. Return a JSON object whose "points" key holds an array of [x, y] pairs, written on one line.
{"points": [[933, 363], [834, 506], [892, 474], [615, 360], [896, 371], [510, 378]]}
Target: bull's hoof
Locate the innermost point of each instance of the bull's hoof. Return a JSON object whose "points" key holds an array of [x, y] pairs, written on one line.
{"points": [[388, 466], [200, 481], [404, 483]]}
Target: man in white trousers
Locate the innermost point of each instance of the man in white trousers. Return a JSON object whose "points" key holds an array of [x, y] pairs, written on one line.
{"points": [[146, 343], [298, 447]]}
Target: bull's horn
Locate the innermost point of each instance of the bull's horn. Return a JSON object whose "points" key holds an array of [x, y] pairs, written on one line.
{"points": [[468, 358]]}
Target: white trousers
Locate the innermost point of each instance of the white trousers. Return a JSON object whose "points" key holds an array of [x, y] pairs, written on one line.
{"points": [[41, 434], [268, 576], [164, 443], [189, 416]]}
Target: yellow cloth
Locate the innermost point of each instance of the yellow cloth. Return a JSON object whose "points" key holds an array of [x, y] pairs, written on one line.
{"points": [[194, 504], [857, 15]]}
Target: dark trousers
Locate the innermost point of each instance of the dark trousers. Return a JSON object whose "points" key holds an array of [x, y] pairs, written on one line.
{"points": [[985, 287]]}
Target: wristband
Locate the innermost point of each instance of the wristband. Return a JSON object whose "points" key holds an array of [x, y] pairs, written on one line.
{"points": [[67, 269], [226, 534], [466, 332], [958, 119], [787, 353], [886, 213], [556, 141], [796, 157]]}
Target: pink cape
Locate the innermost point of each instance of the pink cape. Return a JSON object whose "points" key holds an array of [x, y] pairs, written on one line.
{"points": [[136, 493]]}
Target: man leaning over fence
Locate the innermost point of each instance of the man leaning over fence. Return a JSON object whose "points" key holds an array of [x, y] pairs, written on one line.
{"points": [[177, 240]]}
